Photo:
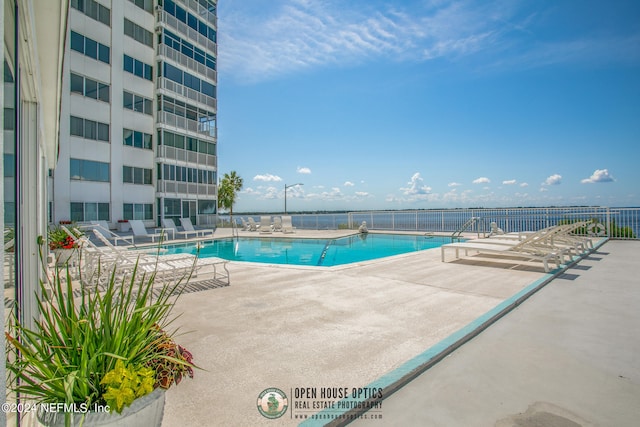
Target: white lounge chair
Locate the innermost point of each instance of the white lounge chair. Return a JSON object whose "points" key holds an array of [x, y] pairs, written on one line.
{"points": [[103, 228], [252, 224], [166, 267], [170, 225], [287, 226], [526, 249], [265, 224], [245, 224], [277, 223], [188, 226], [139, 230]]}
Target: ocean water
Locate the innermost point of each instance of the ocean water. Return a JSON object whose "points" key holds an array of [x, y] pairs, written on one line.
{"points": [[510, 220]]}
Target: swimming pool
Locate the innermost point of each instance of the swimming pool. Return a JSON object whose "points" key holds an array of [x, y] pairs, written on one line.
{"points": [[314, 252]]}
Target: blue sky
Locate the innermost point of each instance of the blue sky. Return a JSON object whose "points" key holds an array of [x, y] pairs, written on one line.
{"points": [[429, 104]]}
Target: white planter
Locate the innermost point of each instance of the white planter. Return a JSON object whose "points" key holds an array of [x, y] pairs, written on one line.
{"points": [[146, 411], [123, 227], [62, 256]]}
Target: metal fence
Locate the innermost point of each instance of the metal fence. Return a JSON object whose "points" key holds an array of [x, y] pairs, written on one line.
{"points": [[617, 223]]}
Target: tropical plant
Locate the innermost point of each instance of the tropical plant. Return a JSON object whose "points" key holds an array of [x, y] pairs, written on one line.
{"points": [[230, 185], [97, 348]]}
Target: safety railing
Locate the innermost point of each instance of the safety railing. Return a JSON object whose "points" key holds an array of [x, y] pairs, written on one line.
{"points": [[617, 223]]}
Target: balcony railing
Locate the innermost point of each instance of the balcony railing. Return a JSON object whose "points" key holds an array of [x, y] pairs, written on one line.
{"points": [[179, 122], [164, 18], [187, 92], [185, 189], [182, 155], [184, 60]]}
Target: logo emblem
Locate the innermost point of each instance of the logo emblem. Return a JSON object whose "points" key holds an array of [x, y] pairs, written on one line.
{"points": [[272, 403]]}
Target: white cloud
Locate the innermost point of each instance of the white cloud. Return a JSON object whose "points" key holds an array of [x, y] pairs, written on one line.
{"points": [[524, 184], [267, 178], [298, 35], [600, 175], [416, 186], [260, 42], [509, 182], [348, 184], [482, 180], [362, 194], [454, 184], [271, 193], [304, 170], [554, 179]]}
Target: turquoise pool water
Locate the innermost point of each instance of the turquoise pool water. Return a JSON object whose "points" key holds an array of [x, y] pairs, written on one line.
{"points": [[315, 252]]}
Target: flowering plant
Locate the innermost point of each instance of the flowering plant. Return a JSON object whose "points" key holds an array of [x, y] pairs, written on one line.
{"points": [[59, 239]]}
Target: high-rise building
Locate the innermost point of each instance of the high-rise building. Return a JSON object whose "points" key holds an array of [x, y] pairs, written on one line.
{"points": [[138, 136]]}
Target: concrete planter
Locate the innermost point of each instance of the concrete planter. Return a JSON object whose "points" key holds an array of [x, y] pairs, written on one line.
{"points": [[62, 256], [146, 411]]}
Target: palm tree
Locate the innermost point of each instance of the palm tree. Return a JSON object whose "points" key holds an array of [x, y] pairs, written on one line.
{"points": [[227, 191]]}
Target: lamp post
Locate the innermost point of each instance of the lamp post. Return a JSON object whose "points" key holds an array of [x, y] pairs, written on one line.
{"points": [[285, 194]]}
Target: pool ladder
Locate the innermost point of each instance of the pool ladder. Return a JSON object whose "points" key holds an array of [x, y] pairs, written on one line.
{"points": [[457, 235], [324, 251]]}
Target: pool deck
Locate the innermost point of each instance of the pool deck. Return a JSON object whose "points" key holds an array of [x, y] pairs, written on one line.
{"points": [[569, 351]]}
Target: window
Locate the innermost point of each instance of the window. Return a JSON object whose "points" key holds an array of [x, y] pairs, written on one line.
{"points": [[88, 170], [185, 174], [179, 45], [93, 10], [138, 33], [9, 165], [136, 139], [134, 175], [77, 84], [127, 100], [89, 129], [206, 207], [90, 47], [143, 211], [192, 144], [146, 5], [9, 119], [77, 126], [138, 68], [103, 132], [89, 88], [181, 109], [188, 80], [137, 103], [89, 211], [103, 92]]}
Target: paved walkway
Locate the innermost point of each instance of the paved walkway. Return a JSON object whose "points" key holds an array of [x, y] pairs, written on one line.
{"points": [[568, 357]]}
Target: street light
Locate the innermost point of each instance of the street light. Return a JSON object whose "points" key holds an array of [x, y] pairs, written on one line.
{"points": [[285, 194]]}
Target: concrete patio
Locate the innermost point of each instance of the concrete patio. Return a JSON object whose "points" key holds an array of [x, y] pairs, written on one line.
{"points": [[306, 327]]}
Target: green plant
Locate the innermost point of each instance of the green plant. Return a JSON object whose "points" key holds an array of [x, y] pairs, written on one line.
{"points": [[59, 239], [171, 363], [124, 384], [617, 231], [79, 346]]}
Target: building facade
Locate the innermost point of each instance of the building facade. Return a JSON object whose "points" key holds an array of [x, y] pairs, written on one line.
{"points": [[138, 135]]}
